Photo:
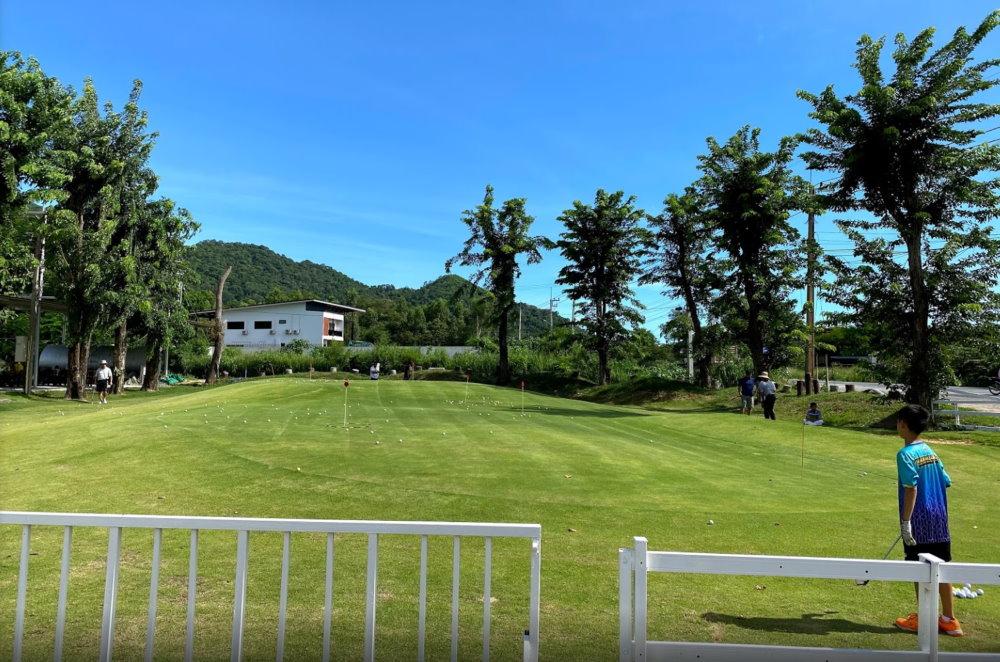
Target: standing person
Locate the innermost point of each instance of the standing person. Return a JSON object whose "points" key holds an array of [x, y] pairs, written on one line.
{"points": [[923, 509], [408, 370], [104, 378], [745, 387], [768, 394], [374, 371]]}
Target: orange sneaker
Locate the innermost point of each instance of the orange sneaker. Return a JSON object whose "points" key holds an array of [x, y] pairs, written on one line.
{"points": [[909, 623], [951, 628]]}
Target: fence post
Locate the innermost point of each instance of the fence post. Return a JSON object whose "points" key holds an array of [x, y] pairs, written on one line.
{"points": [[927, 608], [639, 564], [535, 599]]}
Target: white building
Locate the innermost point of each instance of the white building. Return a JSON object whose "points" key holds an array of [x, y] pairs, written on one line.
{"points": [[274, 325]]}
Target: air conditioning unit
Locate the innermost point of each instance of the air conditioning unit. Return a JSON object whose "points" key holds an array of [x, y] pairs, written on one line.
{"points": [[273, 332], [296, 332], [246, 332], [288, 332]]}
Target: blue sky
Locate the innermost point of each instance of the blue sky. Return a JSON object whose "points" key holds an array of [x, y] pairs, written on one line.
{"points": [[355, 134]]}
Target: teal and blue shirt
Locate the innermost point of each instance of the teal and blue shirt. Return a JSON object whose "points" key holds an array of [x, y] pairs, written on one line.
{"points": [[918, 466]]}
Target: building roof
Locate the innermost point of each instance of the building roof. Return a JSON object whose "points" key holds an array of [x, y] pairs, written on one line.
{"points": [[46, 303], [330, 307]]}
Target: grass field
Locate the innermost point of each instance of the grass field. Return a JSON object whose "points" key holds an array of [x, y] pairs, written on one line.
{"points": [[593, 475]]}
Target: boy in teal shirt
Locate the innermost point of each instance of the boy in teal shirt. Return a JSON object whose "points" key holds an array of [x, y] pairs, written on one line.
{"points": [[923, 509]]}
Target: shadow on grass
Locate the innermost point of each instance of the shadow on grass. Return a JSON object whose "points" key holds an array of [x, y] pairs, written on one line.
{"points": [[581, 413], [704, 409], [819, 624]]}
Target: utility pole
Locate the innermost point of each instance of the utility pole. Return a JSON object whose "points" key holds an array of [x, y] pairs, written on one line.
{"points": [[520, 314], [551, 301], [811, 303]]}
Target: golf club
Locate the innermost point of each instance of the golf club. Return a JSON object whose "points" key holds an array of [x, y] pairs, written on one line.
{"points": [[864, 582]]}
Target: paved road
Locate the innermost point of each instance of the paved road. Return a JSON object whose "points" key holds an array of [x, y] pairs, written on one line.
{"points": [[967, 396]]}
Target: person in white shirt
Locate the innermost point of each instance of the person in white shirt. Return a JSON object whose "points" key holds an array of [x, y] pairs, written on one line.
{"points": [[767, 391], [104, 379]]}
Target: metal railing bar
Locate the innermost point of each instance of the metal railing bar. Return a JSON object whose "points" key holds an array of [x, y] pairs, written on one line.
{"points": [[328, 599], [286, 551], [63, 592], [487, 577], [465, 529], [154, 589], [22, 591], [110, 593], [422, 608], [192, 590], [456, 568], [625, 633], [239, 595], [370, 590]]}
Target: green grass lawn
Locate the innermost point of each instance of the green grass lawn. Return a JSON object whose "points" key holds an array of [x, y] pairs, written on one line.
{"points": [[593, 475]]}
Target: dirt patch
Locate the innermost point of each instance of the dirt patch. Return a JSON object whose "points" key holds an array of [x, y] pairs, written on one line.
{"points": [[950, 442]]}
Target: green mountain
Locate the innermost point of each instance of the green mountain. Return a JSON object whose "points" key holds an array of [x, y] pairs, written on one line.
{"points": [[442, 311]]}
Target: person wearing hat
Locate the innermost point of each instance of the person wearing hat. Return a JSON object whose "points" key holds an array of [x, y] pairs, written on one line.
{"points": [[768, 394], [104, 379]]}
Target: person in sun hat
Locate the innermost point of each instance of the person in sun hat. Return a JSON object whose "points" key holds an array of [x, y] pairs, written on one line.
{"points": [[104, 379], [923, 510], [767, 391]]}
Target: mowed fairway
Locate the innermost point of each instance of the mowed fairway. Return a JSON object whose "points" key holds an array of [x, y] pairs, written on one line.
{"points": [[592, 475]]}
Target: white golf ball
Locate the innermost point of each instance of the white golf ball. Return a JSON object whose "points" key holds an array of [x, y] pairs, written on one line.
{"points": [[711, 521], [979, 591]]}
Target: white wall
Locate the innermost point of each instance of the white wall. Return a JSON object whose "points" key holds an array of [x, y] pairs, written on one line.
{"points": [[288, 322]]}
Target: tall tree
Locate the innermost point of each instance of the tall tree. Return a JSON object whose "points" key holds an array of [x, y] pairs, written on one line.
{"points": [[87, 230], [218, 332], [160, 314], [35, 109], [749, 196], [679, 258], [497, 237], [604, 245], [905, 151]]}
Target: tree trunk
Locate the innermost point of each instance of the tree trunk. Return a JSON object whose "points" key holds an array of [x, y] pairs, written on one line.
{"points": [[78, 355], [151, 380], [920, 365], [118, 359], [218, 332], [503, 364], [603, 371]]}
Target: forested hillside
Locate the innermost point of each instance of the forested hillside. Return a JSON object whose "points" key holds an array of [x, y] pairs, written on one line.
{"points": [[445, 311]]}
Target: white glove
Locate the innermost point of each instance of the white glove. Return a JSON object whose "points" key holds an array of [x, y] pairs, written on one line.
{"points": [[906, 531]]}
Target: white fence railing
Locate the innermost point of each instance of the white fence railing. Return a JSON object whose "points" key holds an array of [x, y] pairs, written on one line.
{"points": [[116, 524], [635, 564]]}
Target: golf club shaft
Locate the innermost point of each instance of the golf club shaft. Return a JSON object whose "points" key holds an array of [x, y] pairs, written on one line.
{"points": [[892, 546]]}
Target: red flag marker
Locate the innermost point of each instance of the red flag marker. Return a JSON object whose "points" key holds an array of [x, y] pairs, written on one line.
{"points": [[346, 383]]}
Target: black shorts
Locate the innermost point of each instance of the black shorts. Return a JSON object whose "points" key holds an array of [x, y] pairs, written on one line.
{"points": [[102, 385], [942, 550]]}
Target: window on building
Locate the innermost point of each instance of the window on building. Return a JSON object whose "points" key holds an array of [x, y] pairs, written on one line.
{"points": [[235, 325], [281, 321], [262, 324]]}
